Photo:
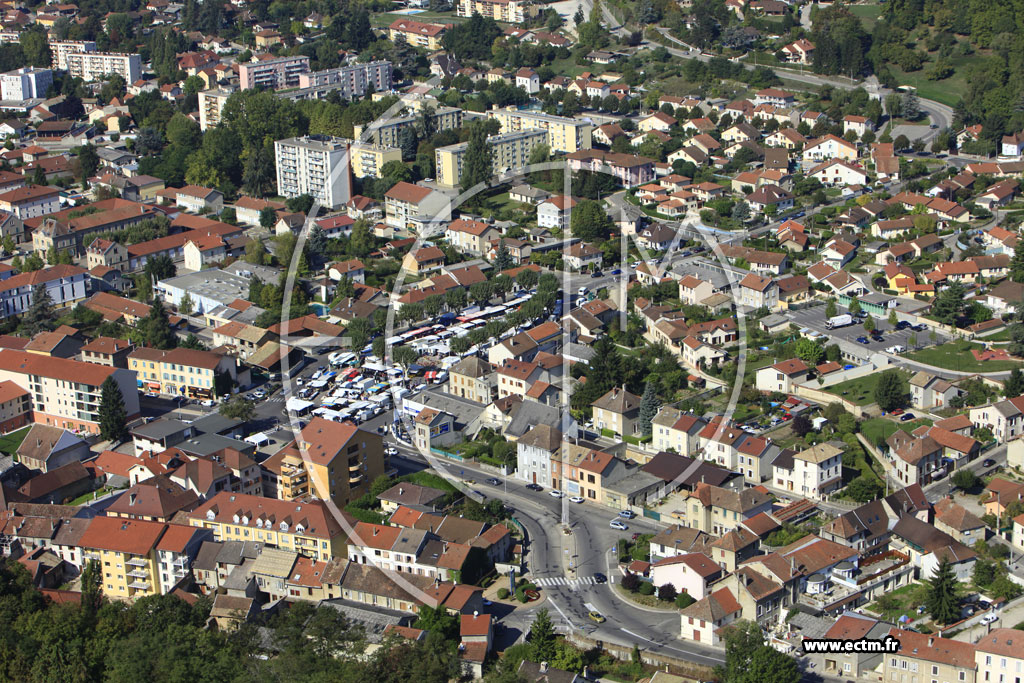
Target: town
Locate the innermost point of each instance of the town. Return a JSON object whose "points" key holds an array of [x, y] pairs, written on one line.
{"points": [[509, 340]]}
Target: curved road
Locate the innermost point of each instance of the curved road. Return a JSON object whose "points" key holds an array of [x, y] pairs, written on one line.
{"points": [[550, 553]]}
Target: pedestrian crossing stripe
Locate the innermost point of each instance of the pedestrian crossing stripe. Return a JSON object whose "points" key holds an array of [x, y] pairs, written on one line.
{"points": [[563, 581]]}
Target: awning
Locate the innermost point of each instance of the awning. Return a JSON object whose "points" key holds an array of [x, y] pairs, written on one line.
{"points": [[297, 405], [153, 385]]}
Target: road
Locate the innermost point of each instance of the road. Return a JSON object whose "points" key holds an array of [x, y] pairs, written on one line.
{"points": [[555, 561]]}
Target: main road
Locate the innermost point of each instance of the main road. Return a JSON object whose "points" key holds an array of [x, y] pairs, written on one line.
{"points": [[564, 565]]}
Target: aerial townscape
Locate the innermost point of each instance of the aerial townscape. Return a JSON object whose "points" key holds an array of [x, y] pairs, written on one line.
{"points": [[647, 341]]}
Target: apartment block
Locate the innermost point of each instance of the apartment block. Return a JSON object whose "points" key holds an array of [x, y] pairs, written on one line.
{"points": [[417, 33], [389, 132], [329, 461], [94, 66], [185, 372], [366, 158], [211, 104], [31, 201], [26, 83], [314, 165], [277, 73], [510, 151], [508, 11], [65, 284], [307, 528], [65, 392], [62, 48], [564, 134], [351, 80]]}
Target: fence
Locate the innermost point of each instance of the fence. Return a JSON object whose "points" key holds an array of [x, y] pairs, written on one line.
{"points": [[825, 398], [446, 454]]}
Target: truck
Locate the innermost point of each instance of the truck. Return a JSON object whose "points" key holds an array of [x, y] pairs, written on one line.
{"points": [[839, 321]]}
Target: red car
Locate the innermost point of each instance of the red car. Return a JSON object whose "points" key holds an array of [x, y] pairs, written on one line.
{"points": [[898, 411]]}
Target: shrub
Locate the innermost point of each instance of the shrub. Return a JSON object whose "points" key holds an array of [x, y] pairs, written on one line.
{"points": [[684, 600], [502, 593], [630, 582], [667, 592], [521, 595], [646, 588]]}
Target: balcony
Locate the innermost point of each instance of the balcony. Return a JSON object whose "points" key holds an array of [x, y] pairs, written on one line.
{"points": [[137, 562], [139, 574], [355, 480], [139, 585]]}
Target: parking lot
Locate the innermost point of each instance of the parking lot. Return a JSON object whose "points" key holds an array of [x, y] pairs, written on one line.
{"points": [[814, 319]]}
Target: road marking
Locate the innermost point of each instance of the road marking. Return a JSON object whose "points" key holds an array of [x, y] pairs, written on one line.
{"points": [[559, 610], [636, 636], [563, 581]]}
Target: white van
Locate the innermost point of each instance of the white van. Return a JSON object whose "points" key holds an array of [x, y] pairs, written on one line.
{"points": [[258, 440]]}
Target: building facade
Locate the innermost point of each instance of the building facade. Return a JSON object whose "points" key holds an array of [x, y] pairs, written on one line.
{"points": [[314, 165]]}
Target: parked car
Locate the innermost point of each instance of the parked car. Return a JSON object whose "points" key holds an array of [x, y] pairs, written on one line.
{"points": [[616, 524], [903, 325], [556, 494], [989, 618], [628, 514], [896, 348], [863, 340], [907, 417], [988, 462], [898, 411], [535, 487], [494, 482], [597, 616], [390, 450], [576, 499]]}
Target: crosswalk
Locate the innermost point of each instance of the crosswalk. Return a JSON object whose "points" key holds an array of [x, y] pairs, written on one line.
{"points": [[563, 581]]}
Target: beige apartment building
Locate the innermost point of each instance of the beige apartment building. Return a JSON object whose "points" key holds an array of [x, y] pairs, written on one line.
{"points": [[367, 159], [509, 151], [564, 134], [924, 658], [507, 11], [470, 378]]}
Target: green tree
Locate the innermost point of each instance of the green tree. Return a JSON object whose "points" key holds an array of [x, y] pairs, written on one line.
{"points": [[891, 392], [649, 405], [39, 316], [113, 417], [942, 599], [156, 328], [854, 307], [237, 408], [186, 305], [949, 304], [542, 637], [478, 159], [965, 479], [830, 308], [869, 324], [437, 619], [268, 217], [1014, 384], [742, 640], [810, 351], [589, 221]]}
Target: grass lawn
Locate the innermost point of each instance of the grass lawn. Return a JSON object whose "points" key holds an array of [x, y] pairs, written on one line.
{"points": [[1000, 336], [877, 429], [86, 497], [868, 14], [957, 356], [947, 91], [860, 390], [908, 599], [9, 442]]}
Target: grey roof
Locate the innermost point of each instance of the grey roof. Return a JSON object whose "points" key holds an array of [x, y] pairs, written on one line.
{"points": [[633, 481], [530, 413], [233, 552], [773, 320], [206, 558], [208, 444], [373, 619], [159, 430], [212, 284], [249, 270], [215, 423]]}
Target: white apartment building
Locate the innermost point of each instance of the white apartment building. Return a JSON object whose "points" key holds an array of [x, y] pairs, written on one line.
{"points": [[26, 83], [281, 72], [316, 165], [812, 473], [65, 284], [351, 80], [62, 48], [31, 201], [93, 66], [211, 104]]}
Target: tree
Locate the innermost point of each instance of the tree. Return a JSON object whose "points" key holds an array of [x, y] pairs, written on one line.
{"points": [[830, 309], [113, 416], [949, 304], [854, 307], [801, 425], [742, 640], [891, 391], [1014, 385], [589, 221], [809, 351], [258, 176], [256, 253], [667, 592], [316, 245], [437, 619], [186, 305], [156, 328], [649, 404], [965, 479], [542, 637], [39, 316], [237, 408], [268, 217], [478, 159], [942, 601], [1017, 263], [502, 258], [869, 324], [893, 318]]}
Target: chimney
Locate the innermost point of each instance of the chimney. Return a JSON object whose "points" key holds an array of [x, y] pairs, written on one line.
{"points": [[475, 614], [401, 490], [931, 642], [132, 497], [543, 667]]}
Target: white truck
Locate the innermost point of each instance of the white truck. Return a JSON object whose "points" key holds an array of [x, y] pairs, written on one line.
{"points": [[837, 321]]}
